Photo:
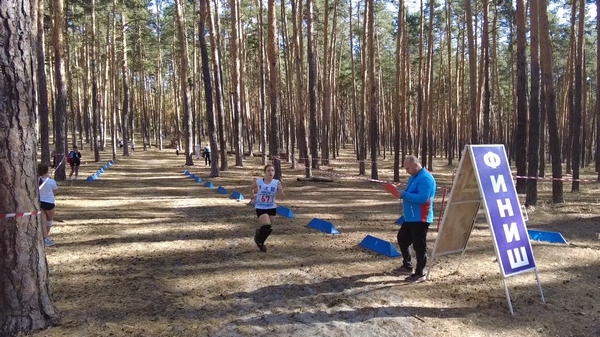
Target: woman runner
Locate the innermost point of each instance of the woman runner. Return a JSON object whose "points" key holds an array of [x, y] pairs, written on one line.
{"points": [[264, 190]]}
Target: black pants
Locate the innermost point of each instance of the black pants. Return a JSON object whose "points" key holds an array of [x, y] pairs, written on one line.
{"points": [[414, 233], [207, 158]]}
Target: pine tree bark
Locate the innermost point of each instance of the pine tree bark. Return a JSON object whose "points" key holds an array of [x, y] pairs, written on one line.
{"points": [[208, 90], [597, 90], [521, 134], [236, 80], [26, 305], [125, 76], [550, 102], [95, 103], [534, 116], [263, 81], [218, 83], [472, 72], [372, 96], [312, 84], [300, 91], [42, 85], [184, 83], [60, 112], [579, 99], [273, 59]]}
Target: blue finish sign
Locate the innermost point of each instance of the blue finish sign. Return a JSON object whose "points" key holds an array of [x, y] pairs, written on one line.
{"points": [[503, 209]]}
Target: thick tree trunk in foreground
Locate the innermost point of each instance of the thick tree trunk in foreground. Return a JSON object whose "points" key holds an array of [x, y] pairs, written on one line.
{"points": [[25, 303]]}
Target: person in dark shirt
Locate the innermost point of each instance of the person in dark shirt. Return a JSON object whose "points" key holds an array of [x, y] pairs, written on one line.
{"points": [[74, 161]]}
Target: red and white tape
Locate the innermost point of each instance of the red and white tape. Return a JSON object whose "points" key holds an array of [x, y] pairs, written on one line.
{"points": [[367, 179], [557, 179], [16, 215], [338, 160]]}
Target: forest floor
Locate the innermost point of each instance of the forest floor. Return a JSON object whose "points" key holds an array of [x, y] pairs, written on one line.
{"points": [[146, 251]]}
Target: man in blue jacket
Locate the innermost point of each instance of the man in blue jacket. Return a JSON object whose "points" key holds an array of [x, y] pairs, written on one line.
{"points": [[417, 200]]}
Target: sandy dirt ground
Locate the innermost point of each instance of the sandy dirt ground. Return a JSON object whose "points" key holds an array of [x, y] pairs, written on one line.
{"points": [[146, 251]]}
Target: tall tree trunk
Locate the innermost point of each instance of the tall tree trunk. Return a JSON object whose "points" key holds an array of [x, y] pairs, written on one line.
{"points": [[398, 93], [60, 113], [159, 98], [597, 89], [235, 85], [326, 95], [95, 105], [42, 85], [579, 99], [300, 91], [218, 81], [24, 278], [534, 116], [208, 95], [312, 84], [486, 95], [263, 95], [125, 76], [521, 135], [428, 146], [184, 82], [550, 102], [372, 84], [273, 57], [472, 72]]}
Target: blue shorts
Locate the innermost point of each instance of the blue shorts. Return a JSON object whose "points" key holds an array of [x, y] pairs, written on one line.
{"points": [[269, 211]]}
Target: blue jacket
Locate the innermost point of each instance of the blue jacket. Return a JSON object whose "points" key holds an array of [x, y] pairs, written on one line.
{"points": [[418, 197]]}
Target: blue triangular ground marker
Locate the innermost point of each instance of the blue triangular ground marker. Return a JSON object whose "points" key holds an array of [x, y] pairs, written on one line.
{"points": [[209, 184], [237, 196], [110, 163], [221, 190], [323, 226], [90, 178], [400, 220], [552, 237], [198, 179], [284, 211], [186, 172], [380, 246]]}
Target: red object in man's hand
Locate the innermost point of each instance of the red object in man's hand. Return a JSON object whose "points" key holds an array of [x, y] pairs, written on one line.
{"points": [[392, 189]]}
